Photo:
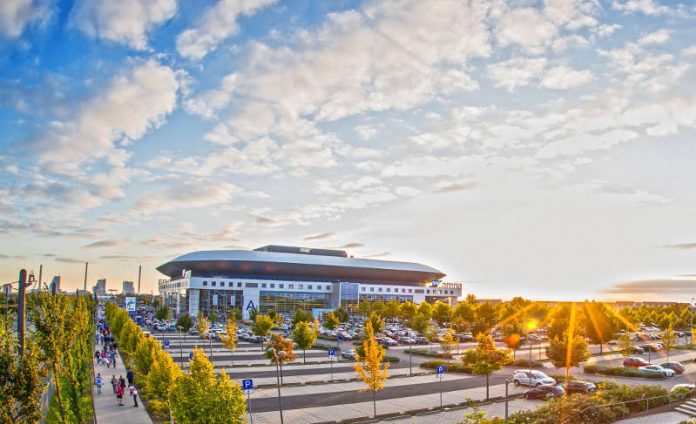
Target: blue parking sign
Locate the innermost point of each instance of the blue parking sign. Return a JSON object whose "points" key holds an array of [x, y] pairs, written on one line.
{"points": [[166, 344], [440, 369], [247, 384], [332, 352], [191, 356]]}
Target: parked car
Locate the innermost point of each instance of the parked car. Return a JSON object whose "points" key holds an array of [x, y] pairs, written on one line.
{"points": [[533, 378], [193, 331], [654, 347], [544, 392], [634, 362], [674, 366], [171, 327], [389, 341], [465, 337], [348, 354], [422, 340], [407, 341], [656, 369], [683, 390], [580, 387]]}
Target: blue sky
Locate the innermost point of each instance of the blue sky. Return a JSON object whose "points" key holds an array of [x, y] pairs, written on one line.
{"points": [[535, 148]]}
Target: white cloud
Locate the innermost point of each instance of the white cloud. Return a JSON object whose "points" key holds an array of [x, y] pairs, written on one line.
{"points": [[208, 103], [573, 14], [365, 132], [606, 30], [527, 28], [647, 7], [131, 104], [514, 73], [217, 23], [122, 21], [657, 37], [565, 78], [189, 194], [15, 15]]}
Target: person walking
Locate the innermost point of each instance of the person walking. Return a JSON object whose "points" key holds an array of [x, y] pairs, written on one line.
{"points": [[129, 376], [134, 393], [98, 382], [113, 358], [97, 356], [114, 382], [119, 395], [122, 383]]}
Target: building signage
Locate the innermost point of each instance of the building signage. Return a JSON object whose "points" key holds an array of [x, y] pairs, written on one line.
{"points": [[215, 300], [130, 304], [250, 305]]}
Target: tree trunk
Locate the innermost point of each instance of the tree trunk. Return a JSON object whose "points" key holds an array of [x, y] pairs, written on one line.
{"points": [[304, 356], [374, 403], [600, 348]]}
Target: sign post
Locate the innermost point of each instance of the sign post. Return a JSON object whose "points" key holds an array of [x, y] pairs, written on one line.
{"points": [[440, 374], [130, 304], [248, 386], [166, 344], [332, 355]]}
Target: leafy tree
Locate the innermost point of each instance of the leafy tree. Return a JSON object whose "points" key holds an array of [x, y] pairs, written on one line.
{"points": [[420, 323], [369, 365], [564, 353], [342, 314], [425, 309], [330, 321], [464, 313], [471, 299], [213, 317], [378, 307], [262, 326], [449, 342], [512, 341], [669, 340], [203, 326], [236, 314], [301, 315], [391, 309], [21, 384], [442, 313], [305, 337], [599, 325], [145, 355], [185, 322], [284, 352], [376, 321], [229, 339], [163, 313], [202, 397], [486, 318], [364, 308], [407, 311], [162, 375], [485, 359], [625, 344], [253, 313]]}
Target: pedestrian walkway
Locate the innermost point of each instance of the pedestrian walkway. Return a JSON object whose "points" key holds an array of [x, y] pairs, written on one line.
{"points": [[105, 405], [672, 417]]}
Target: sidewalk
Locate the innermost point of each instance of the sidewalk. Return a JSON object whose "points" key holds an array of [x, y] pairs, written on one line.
{"points": [[105, 405]]}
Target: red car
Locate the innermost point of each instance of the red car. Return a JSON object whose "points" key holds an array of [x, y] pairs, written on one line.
{"points": [[635, 362]]}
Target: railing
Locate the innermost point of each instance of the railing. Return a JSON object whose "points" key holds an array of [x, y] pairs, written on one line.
{"points": [[624, 403]]}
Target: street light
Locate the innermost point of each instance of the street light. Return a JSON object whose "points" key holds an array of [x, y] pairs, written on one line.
{"points": [[181, 349], [410, 351], [276, 355], [531, 326]]}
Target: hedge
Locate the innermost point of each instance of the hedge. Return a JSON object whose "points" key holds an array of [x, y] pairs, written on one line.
{"points": [[449, 366], [429, 353], [618, 371]]}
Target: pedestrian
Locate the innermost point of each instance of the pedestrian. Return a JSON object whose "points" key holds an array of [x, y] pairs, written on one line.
{"points": [[98, 382], [119, 395], [129, 376], [134, 393], [97, 356], [113, 358], [122, 382], [114, 382]]}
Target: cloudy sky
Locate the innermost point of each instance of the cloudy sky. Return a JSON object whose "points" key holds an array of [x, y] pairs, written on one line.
{"points": [[537, 148]]}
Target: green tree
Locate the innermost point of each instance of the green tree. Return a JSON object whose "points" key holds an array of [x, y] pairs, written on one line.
{"points": [[449, 343], [425, 309], [185, 322], [284, 352], [301, 315], [229, 339], [162, 375], [407, 311], [669, 340], [364, 308], [369, 365], [442, 313], [564, 353], [145, 355], [486, 318], [599, 325], [305, 337], [391, 309], [625, 344], [202, 397], [485, 359], [330, 321], [342, 314], [262, 326], [376, 321], [203, 326], [163, 313], [213, 317]]}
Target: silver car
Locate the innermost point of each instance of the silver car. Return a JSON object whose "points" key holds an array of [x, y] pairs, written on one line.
{"points": [[532, 379]]}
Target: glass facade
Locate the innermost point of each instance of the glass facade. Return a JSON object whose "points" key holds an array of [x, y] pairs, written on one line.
{"points": [[220, 301], [385, 297], [350, 295], [286, 302]]}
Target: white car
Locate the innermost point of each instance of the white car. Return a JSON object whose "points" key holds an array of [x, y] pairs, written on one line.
{"points": [[656, 369], [532, 379]]}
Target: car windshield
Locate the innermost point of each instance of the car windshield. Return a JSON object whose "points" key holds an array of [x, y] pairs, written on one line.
{"points": [[538, 374]]}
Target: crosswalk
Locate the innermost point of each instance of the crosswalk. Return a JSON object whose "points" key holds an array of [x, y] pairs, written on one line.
{"points": [[688, 408]]}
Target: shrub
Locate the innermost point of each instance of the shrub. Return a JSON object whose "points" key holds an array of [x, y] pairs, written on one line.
{"points": [[449, 367], [158, 409], [618, 371], [429, 353], [391, 359]]}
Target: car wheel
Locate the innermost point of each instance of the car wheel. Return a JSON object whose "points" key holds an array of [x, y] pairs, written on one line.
{"points": [[516, 382], [664, 374], [537, 385]]}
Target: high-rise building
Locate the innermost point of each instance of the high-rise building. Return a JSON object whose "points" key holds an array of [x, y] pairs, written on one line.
{"points": [[55, 285], [100, 288], [128, 288]]}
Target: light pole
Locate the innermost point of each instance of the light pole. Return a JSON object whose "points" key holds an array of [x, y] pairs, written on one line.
{"points": [[531, 326], [410, 351], [276, 355], [23, 284], [181, 349]]}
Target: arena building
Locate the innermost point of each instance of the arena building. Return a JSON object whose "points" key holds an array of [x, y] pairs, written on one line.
{"points": [[283, 278]]}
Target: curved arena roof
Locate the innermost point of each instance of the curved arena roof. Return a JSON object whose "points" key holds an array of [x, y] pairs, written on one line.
{"points": [[278, 264]]}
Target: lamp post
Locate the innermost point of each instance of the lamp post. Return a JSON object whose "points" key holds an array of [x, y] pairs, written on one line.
{"points": [[410, 351], [276, 355], [23, 284], [181, 349], [531, 326]]}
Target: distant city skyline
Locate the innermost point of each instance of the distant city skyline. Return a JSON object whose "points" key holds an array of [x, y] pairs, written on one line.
{"points": [[543, 149]]}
